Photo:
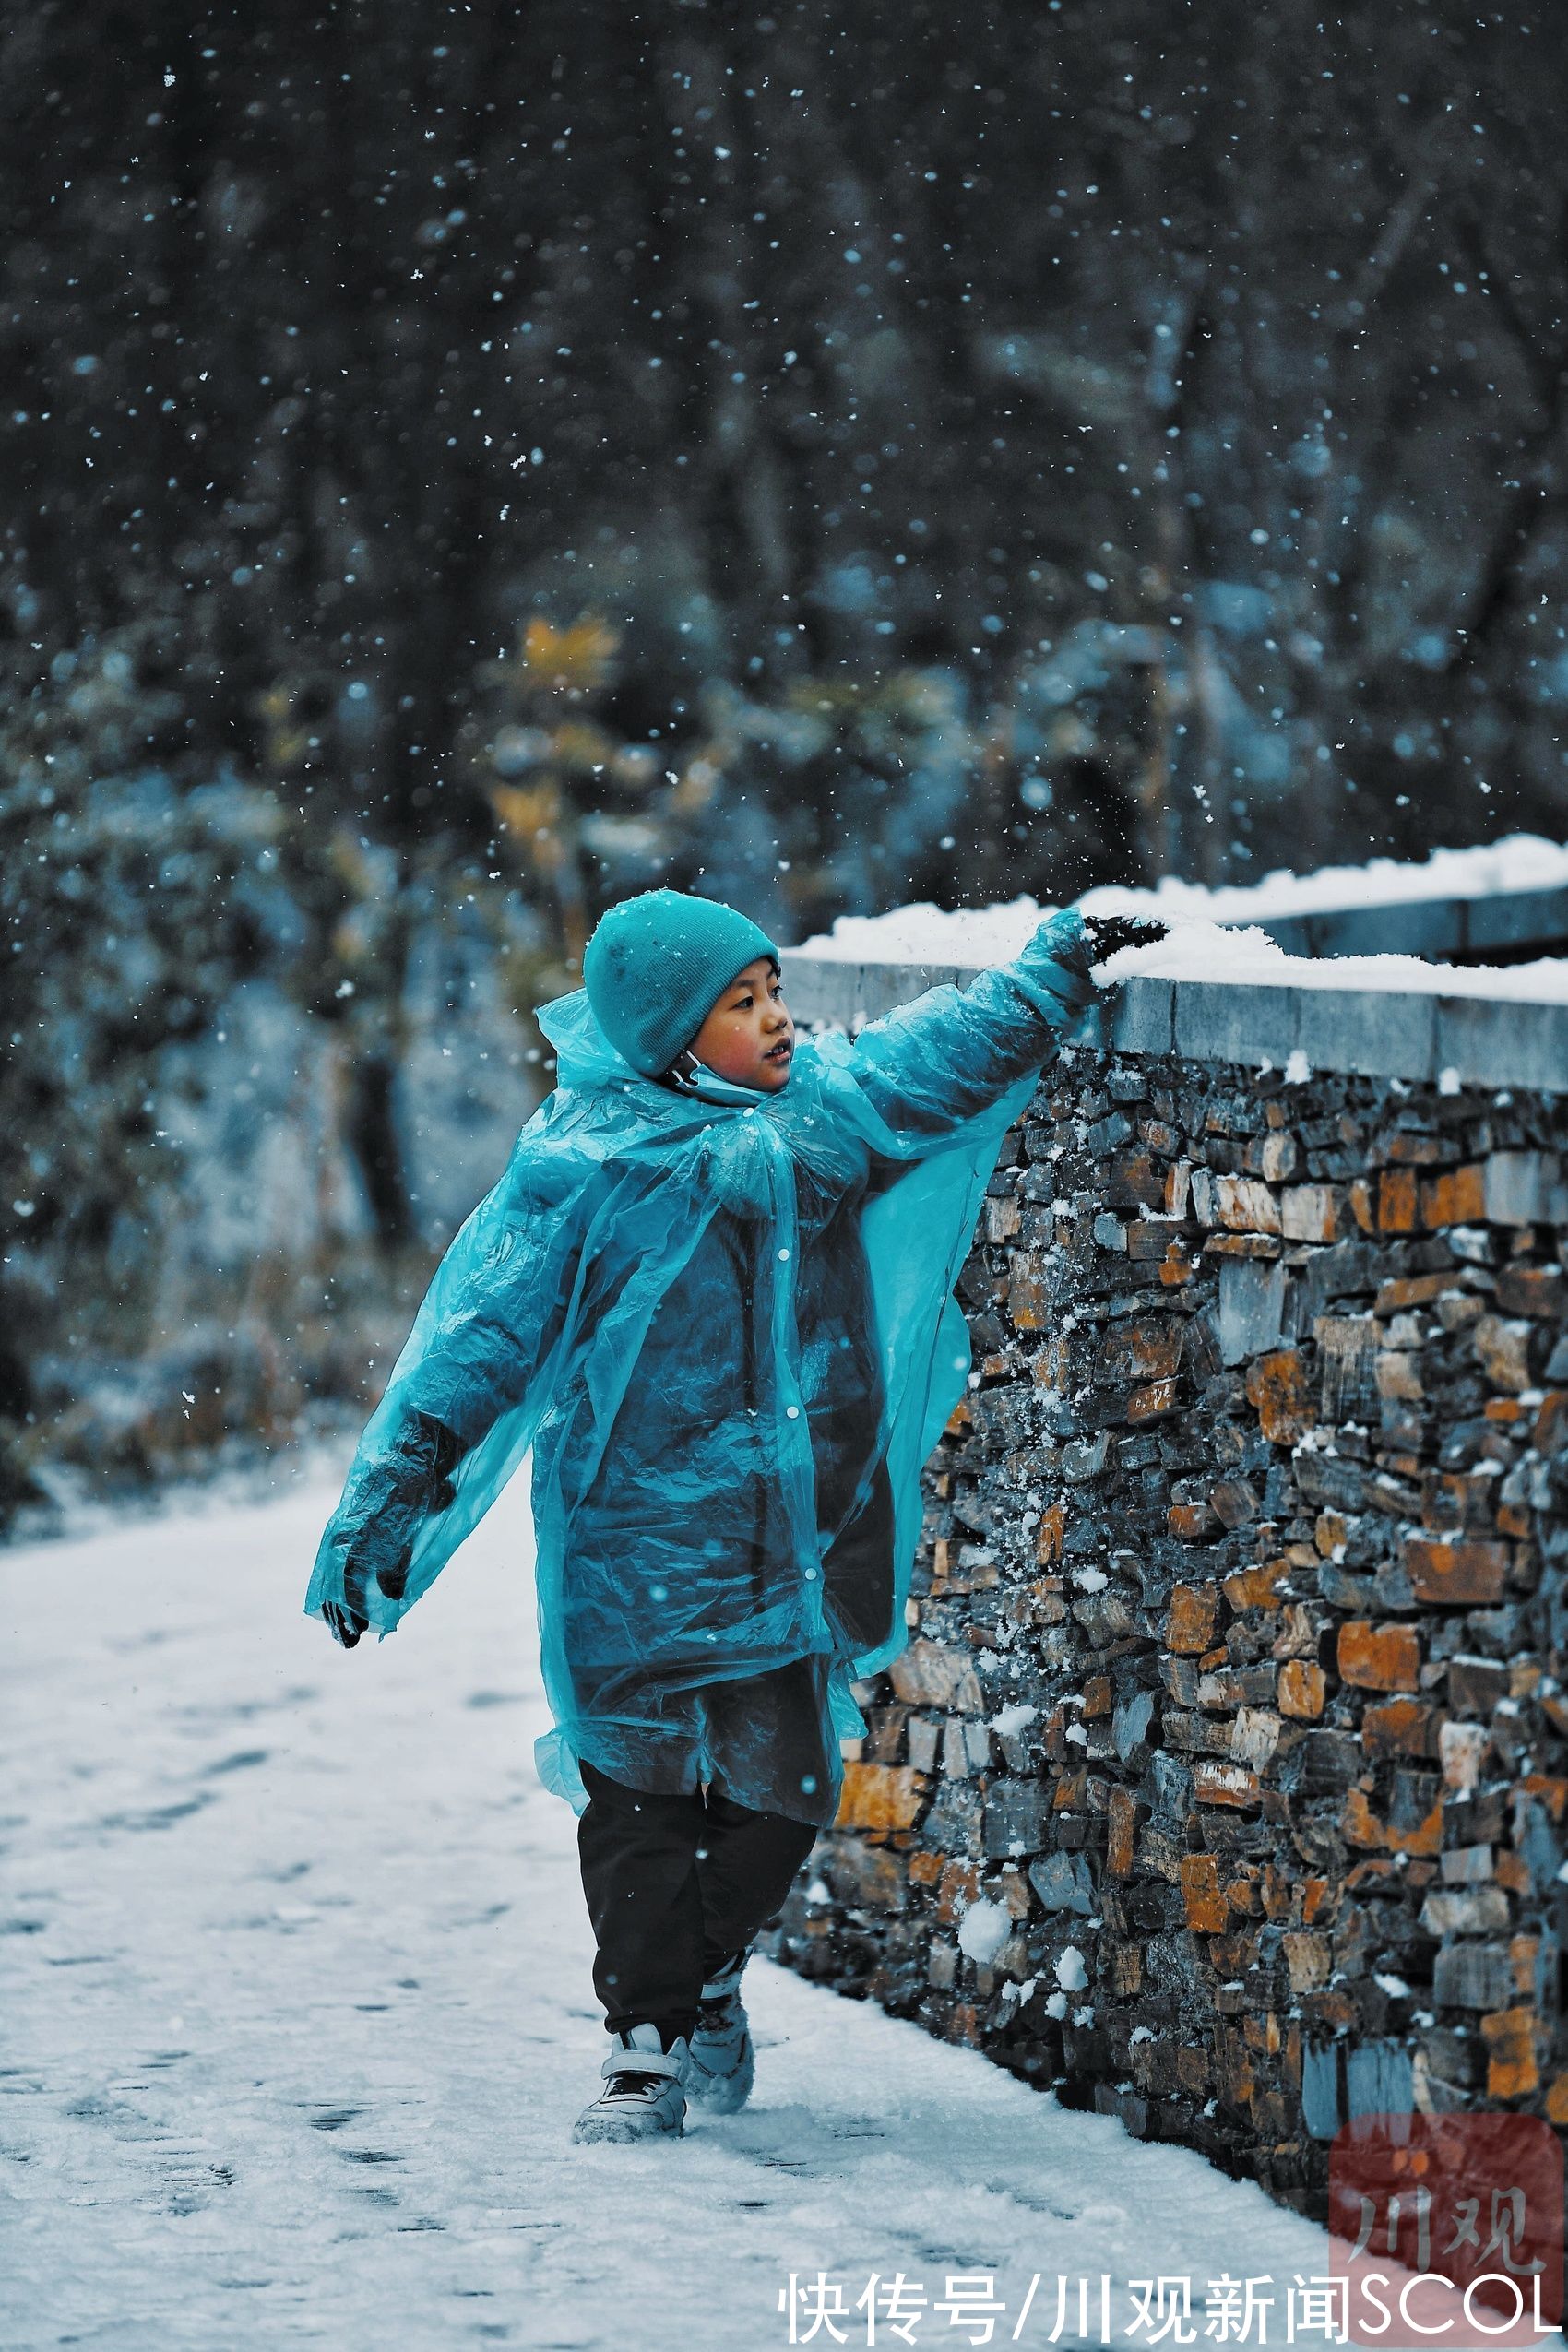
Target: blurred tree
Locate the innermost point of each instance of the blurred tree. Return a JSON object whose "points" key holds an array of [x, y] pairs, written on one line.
{"points": [[806, 352], [131, 909]]}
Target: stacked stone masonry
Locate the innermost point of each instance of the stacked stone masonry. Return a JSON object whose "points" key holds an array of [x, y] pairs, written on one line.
{"points": [[1222, 1783]]}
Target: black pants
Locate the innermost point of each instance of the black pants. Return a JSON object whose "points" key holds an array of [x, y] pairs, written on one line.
{"points": [[676, 1884]]}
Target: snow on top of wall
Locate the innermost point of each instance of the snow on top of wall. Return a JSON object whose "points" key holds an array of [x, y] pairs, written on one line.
{"points": [[1520, 862], [1198, 949], [1201, 951], [925, 934], [1194, 950]]}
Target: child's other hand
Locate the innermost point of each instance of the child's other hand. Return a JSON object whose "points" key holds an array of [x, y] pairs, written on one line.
{"points": [[1107, 934], [346, 1624]]}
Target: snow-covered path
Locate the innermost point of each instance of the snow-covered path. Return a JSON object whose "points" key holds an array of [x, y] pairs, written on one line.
{"points": [[297, 2015]]}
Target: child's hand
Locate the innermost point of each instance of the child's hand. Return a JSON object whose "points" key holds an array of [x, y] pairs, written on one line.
{"points": [[1107, 934], [345, 1624]]}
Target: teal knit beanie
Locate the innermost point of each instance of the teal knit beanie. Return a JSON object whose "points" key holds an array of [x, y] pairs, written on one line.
{"points": [[656, 966]]}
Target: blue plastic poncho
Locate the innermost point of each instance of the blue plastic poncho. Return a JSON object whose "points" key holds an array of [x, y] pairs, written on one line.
{"points": [[724, 1322]]}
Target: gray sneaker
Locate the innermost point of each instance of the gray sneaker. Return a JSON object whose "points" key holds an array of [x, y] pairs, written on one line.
{"points": [[643, 2097], [722, 2062]]}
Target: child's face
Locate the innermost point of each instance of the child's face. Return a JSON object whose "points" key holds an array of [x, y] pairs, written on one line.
{"points": [[749, 1037]]}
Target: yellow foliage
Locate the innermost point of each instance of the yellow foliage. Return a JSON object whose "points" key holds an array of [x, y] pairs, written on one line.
{"points": [[697, 787], [531, 812], [879, 706], [287, 740], [523, 809], [637, 764], [577, 743], [575, 661], [898, 691]]}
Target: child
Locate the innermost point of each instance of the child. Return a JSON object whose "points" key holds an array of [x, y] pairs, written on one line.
{"points": [[713, 1292]]}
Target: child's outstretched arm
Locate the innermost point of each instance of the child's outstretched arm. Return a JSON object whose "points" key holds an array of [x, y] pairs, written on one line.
{"points": [[480, 1348], [947, 1057]]}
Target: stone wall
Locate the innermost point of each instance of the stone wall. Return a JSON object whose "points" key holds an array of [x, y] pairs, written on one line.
{"points": [[1222, 1783]]}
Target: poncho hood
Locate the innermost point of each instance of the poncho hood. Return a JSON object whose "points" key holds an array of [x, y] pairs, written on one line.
{"points": [[585, 1057]]}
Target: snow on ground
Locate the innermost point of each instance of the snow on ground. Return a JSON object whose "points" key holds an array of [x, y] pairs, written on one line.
{"points": [[298, 2015], [924, 933]]}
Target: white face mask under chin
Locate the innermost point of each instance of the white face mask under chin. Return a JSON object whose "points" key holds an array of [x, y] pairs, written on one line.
{"points": [[689, 1077]]}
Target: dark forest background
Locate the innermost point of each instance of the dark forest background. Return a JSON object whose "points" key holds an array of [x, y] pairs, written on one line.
{"points": [[462, 465]]}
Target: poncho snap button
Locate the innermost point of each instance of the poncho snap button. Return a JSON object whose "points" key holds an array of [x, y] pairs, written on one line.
{"points": [[791, 1412], [810, 1575], [783, 1254]]}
